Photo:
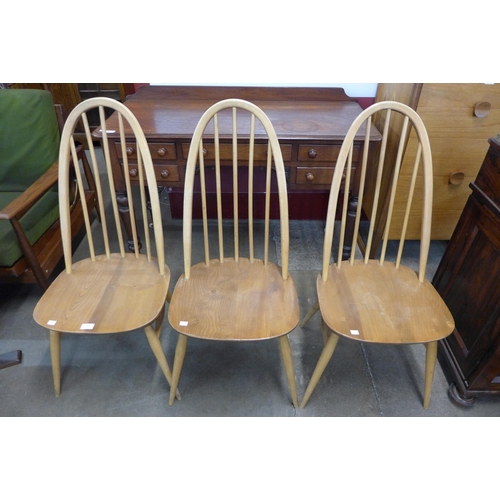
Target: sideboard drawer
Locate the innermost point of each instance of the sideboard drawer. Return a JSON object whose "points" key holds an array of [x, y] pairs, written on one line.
{"points": [[317, 175], [169, 173], [163, 173], [226, 152], [158, 150], [327, 153]]}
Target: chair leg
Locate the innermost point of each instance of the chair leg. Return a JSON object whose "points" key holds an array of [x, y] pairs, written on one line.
{"points": [[325, 331], [157, 349], [180, 352], [55, 355], [286, 354], [29, 254], [430, 364], [312, 311], [159, 321], [326, 355]]}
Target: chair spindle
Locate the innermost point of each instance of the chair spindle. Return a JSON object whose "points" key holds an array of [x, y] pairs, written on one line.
{"points": [[408, 204], [97, 179], [383, 149], [235, 186], [111, 180], [81, 190], [204, 201], [366, 150], [128, 187], [144, 210], [268, 204], [345, 204], [394, 185], [220, 227], [250, 188]]}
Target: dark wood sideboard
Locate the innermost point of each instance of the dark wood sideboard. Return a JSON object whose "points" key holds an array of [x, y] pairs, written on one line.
{"points": [[310, 123], [468, 279]]}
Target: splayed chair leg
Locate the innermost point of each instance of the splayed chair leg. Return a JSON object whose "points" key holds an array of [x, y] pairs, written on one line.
{"points": [[430, 364], [157, 349], [180, 352], [286, 354], [159, 321], [312, 311], [55, 356], [326, 355]]}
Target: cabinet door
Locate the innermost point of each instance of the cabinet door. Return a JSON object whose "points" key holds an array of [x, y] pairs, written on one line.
{"points": [[467, 279]]}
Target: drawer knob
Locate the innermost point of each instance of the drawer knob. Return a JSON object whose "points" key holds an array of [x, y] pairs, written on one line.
{"points": [[482, 109], [162, 152], [204, 152], [312, 153], [456, 178], [130, 151], [165, 173], [133, 172], [309, 177]]}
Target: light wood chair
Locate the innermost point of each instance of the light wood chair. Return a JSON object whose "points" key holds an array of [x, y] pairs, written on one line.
{"points": [[109, 292], [375, 300], [30, 236], [235, 298]]}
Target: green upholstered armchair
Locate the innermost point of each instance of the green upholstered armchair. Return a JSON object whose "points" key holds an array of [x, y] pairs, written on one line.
{"points": [[30, 240]]}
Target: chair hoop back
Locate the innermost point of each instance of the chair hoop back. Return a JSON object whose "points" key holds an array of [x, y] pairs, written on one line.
{"points": [[379, 170], [129, 126], [196, 160]]}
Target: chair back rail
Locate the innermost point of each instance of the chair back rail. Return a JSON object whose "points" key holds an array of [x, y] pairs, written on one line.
{"points": [[127, 122], [196, 159], [422, 160]]}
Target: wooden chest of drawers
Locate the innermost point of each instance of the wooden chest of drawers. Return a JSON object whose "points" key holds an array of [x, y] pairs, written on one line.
{"points": [[467, 278], [310, 123], [459, 119]]}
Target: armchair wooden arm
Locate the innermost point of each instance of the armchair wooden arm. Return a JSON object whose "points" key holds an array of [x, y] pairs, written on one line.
{"points": [[26, 200], [41, 258], [18, 207]]}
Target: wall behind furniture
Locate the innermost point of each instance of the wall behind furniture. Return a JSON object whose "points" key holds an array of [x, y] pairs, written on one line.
{"points": [[363, 92]]}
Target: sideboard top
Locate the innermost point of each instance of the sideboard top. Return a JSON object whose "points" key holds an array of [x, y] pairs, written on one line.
{"points": [[307, 114]]}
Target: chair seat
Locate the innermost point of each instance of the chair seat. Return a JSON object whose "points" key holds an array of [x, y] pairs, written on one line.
{"points": [[116, 294], [234, 301], [382, 304]]}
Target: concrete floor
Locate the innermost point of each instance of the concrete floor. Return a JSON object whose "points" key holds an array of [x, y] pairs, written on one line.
{"points": [[118, 375]]}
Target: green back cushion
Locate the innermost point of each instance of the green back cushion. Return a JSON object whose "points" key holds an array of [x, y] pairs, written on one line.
{"points": [[29, 137], [29, 145]]}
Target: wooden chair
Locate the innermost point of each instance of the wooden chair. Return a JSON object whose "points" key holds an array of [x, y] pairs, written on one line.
{"points": [[375, 300], [30, 237], [235, 298], [109, 292]]}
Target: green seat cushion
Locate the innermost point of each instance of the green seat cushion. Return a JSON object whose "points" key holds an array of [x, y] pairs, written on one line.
{"points": [[34, 223], [29, 137]]}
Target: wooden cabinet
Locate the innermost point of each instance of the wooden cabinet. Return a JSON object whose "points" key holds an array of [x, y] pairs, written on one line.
{"points": [[458, 118], [468, 279], [310, 123]]}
